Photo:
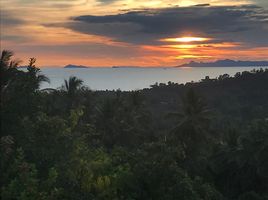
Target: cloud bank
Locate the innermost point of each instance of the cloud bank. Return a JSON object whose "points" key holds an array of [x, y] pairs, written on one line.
{"points": [[244, 24]]}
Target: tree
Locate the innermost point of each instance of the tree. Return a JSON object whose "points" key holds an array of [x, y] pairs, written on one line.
{"points": [[35, 75], [193, 121], [159, 176], [72, 89], [72, 86], [24, 183], [7, 68], [240, 168]]}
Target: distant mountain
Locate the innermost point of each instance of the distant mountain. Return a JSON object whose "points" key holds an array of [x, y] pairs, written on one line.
{"points": [[126, 67], [75, 66], [226, 63]]}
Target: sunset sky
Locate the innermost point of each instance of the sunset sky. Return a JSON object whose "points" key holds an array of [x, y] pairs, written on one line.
{"points": [[134, 32]]}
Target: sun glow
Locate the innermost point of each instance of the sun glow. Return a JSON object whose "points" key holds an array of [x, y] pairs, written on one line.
{"points": [[181, 46], [185, 39], [202, 46]]}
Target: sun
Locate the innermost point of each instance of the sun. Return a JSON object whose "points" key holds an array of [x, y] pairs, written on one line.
{"points": [[186, 39]]}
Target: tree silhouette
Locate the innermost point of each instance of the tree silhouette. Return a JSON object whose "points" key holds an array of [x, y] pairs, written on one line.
{"points": [[7, 67], [72, 87], [6, 62], [241, 166], [193, 122], [35, 74]]}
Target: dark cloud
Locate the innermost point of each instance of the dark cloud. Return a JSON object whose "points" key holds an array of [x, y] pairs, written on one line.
{"points": [[9, 18], [247, 24], [10, 21], [15, 38], [203, 4]]}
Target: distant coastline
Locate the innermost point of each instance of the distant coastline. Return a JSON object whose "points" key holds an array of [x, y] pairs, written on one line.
{"points": [[70, 66], [218, 63], [75, 66], [226, 63]]}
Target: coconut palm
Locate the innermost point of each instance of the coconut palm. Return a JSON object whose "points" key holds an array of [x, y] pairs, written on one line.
{"points": [[194, 114], [35, 74], [241, 165], [7, 67], [71, 88], [191, 129], [195, 111], [6, 62]]}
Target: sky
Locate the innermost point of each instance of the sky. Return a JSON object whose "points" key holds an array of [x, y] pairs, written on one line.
{"points": [[134, 32]]}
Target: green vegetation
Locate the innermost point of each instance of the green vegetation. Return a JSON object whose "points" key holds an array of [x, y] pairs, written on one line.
{"points": [[198, 141]]}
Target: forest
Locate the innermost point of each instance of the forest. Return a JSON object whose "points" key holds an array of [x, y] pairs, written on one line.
{"points": [[205, 140]]}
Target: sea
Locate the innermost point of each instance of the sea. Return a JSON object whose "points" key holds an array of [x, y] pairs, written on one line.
{"points": [[127, 79]]}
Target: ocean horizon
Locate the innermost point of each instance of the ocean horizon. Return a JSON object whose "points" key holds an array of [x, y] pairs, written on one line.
{"points": [[134, 78]]}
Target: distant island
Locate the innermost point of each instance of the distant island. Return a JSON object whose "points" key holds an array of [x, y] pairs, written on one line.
{"points": [[226, 63], [75, 66], [218, 63], [126, 67]]}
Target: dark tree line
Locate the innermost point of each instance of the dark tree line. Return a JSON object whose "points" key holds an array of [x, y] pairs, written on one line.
{"points": [[197, 141]]}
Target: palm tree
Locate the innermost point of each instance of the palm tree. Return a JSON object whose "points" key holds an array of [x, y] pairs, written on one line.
{"points": [[6, 61], [35, 74], [195, 111], [72, 87], [240, 164], [7, 67], [193, 121]]}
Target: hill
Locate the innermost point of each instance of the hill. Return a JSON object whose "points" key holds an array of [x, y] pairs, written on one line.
{"points": [[226, 63], [75, 66]]}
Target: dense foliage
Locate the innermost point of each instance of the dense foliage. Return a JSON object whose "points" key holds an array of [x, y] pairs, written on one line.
{"points": [[198, 141]]}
